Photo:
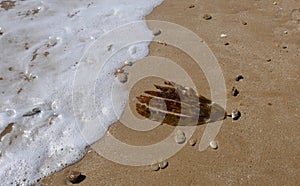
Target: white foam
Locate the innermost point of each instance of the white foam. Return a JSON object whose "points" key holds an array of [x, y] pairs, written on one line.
{"points": [[43, 50]]}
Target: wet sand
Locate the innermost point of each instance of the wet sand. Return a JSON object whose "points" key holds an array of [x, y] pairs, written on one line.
{"points": [[262, 146]]}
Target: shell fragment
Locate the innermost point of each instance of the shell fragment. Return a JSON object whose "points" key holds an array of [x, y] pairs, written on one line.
{"points": [[213, 144]]}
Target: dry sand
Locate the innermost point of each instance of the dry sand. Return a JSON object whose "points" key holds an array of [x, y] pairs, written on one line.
{"points": [[262, 147]]}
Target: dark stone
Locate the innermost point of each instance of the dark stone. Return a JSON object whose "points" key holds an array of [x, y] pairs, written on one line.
{"points": [[239, 77]]}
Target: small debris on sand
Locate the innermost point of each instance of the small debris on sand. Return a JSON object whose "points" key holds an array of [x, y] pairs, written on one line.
{"points": [[26, 46], [34, 55], [244, 23], [157, 33], [122, 77], [6, 130], [163, 164], [180, 137], [236, 114], [207, 17], [109, 47], [162, 43], [54, 105], [192, 6], [75, 177], [33, 112], [29, 77], [20, 90], [119, 70], [154, 166], [46, 54], [226, 44], [6, 5], [213, 144], [223, 35], [239, 77], [192, 142], [234, 91], [128, 63]]}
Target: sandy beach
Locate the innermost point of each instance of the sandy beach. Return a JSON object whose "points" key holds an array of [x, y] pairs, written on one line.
{"points": [[262, 44]]}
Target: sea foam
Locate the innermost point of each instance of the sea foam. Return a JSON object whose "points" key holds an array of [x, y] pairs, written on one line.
{"points": [[42, 43]]}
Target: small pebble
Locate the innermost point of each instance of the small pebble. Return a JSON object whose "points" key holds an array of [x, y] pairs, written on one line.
{"points": [[236, 114], [26, 46], [226, 43], [192, 142], [75, 177], [274, 3], [285, 32], [46, 54], [109, 47], [51, 121], [213, 144], [192, 6], [269, 60], [154, 166], [207, 17], [223, 35], [284, 47], [122, 77], [239, 77], [163, 164], [20, 90], [244, 23], [180, 137], [128, 63], [234, 91], [157, 33]]}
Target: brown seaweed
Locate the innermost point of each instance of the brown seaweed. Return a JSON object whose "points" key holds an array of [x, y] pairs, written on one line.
{"points": [[174, 104]]}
